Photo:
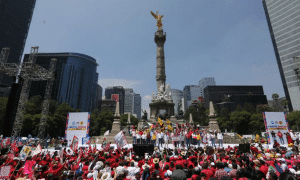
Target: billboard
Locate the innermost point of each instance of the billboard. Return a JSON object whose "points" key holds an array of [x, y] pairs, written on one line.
{"points": [[115, 97], [275, 122], [77, 124]]}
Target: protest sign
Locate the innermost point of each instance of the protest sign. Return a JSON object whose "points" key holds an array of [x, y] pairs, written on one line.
{"points": [[120, 140]]}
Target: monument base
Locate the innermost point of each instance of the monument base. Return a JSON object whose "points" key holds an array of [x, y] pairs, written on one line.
{"points": [[213, 124], [161, 107], [142, 124]]}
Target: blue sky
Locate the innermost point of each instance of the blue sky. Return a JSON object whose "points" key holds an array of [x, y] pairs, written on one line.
{"points": [[225, 39]]}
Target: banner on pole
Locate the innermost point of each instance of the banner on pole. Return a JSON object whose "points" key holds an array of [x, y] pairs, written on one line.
{"points": [[120, 140], [276, 122], [85, 140], [24, 152], [78, 125]]}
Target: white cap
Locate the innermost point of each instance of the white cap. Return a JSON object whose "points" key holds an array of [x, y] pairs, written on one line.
{"points": [[212, 163], [169, 173], [89, 175]]}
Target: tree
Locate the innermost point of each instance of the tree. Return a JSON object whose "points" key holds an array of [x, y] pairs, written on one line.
{"points": [[3, 104], [199, 114], [285, 104], [240, 121], [224, 119], [293, 118], [256, 124], [249, 108], [133, 120]]}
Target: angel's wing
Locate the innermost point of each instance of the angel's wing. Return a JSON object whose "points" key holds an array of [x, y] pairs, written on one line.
{"points": [[154, 15]]}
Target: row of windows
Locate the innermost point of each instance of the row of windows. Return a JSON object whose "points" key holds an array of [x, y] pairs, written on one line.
{"points": [[291, 79], [288, 63], [288, 38], [286, 34], [273, 6], [284, 12], [289, 45], [289, 50], [292, 84], [286, 26]]}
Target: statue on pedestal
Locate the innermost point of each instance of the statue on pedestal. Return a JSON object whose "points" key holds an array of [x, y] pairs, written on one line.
{"points": [[158, 17], [144, 117]]}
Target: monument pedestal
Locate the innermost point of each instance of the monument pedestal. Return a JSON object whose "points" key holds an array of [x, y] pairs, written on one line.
{"points": [[213, 124], [142, 123], [159, 106]]}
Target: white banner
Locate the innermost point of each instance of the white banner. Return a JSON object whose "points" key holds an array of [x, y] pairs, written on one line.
{"points": [[120, 140], [276, 122], [77, 124]]}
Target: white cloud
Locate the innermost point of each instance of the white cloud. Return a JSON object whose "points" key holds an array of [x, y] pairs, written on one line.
{"points": [[118, 82]]}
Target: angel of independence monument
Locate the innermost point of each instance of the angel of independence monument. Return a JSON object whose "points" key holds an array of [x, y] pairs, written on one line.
{"points": [[162, 102]]}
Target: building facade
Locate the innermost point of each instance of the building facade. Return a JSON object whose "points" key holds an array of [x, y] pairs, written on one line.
{"points": [[99, 95], [234, 95], [116, 90], [129, 100], [15, 19], [137, 105], [190, 93], [284, 25], [177, 96], [75, 81], [207, 81]]}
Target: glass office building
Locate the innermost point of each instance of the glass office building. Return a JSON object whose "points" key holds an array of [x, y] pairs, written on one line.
{"points": [[15, 19], [177, 96], [283, 19], [76, 79]]}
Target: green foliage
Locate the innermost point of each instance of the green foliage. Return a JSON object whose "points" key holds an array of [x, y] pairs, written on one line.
{"points": [[199, 114], [294, 119], [3, 104], [224, 120], [240, 122], [101, 122], [133, 120], [256, 123]]}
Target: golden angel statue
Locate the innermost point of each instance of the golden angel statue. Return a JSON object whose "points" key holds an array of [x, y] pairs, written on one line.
{"points": [[158, 17]]}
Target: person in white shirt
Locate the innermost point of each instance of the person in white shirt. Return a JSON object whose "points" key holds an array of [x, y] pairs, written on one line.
{"points": [[133, 136], [220, 138], [138, 138], [160, 139], [144, 138], [213, 139], [208, 140], [166, 139]]}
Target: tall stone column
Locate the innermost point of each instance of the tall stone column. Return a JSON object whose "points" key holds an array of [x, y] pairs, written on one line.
{"points": [[160, 39]]}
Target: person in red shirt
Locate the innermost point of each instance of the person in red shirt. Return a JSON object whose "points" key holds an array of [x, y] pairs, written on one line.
{"points": [[207, 171], [276, 144], [280, 135]]}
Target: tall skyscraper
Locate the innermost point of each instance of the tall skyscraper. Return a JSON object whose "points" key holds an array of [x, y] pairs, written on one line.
{"points": [[191, 93], [207, 81], [129, 100], [177, 96], [284, 26], [75, 81], [15, 19], [137, 105], [116, 90], [99, 95]]}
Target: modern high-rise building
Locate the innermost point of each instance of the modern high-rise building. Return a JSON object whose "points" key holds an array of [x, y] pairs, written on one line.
{"points": [[191, 93], [116, 90], [232, 96], [137, 105], [129, 101], [207, 81], [284, 26], [75, 81], [15, 19], [99, 95], [177, 96]]}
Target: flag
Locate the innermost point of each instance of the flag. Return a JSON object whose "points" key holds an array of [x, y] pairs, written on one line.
{"points": [[37, 150], [168, 121], [160, 121], [170, 128], [106, 133], [272, 169], [74, 144], [105, 145], [120, 140], [14, 148]]}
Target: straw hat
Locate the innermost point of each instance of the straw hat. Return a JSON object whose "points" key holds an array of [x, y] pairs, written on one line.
{"points": [[146, 165], [105, 176], [155, 160], [183, 153]]}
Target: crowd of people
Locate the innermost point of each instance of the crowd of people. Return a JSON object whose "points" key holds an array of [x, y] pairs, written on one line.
{"points": [[194, 156], [183, 136], [163, 164]]}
